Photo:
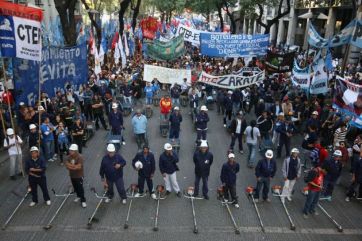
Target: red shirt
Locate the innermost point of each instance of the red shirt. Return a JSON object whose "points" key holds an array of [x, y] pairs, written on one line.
{"points": [[318, 180], [165, 105]]}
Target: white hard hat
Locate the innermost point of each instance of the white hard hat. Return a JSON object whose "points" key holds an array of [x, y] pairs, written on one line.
{"points": [[73, 147], [21, 103], [114, 106], [230, 92], [337, 153], [176, 108], [281, 114], [138, 165], [34, 148], [204, 108], [167, 147], [40, 108], [269, 154], [111, 148], [10, 131], [231, 155], [32, 126], [203, 143], [295, 150], [315, 112]]}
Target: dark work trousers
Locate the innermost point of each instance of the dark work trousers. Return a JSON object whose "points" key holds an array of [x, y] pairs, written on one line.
{"points": [[97, 117], [120, 188], [238, 136], [78, 188], [79, 141], [88, 112], [265, 183], [228, 115], [42, 182], [282, 142], [117, 131], [141, 184], [352, 190], [205, 188], [63, 149], [201, 135], [220, 108], [174, 133], [328, 187], [230, 189], [141, 140]]}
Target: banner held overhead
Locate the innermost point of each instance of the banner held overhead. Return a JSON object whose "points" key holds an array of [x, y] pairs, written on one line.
{"points": [[166, 75], [233, 45], [232, 81]]}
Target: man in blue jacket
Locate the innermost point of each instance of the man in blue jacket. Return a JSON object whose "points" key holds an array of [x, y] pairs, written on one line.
{"points": [[111, 172], [333, 167], [168, 167], [264, 171], [286, 130], [175, 123], [145, 170], [356, 180], [201, 124], [228, 179], [203, 160], [115, 118], [35, 167]]}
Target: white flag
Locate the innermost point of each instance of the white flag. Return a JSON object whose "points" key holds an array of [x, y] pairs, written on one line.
{"points": [[116, 54], [97, 62], [126, 45], [123, 56], [101, 54]]}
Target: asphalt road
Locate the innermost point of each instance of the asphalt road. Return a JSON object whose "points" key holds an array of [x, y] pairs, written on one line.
{"points": [[175, 217]]}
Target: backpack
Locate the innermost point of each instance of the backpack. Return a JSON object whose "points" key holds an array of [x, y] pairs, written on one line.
{"points": [[314, 157], [310, 175]]}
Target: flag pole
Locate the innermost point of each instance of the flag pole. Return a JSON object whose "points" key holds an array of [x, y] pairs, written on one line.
{"points": [[11, 116], [39, 103]]}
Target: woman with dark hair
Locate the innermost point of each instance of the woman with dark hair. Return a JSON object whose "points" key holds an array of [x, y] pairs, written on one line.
{"points": [[252, 135]]}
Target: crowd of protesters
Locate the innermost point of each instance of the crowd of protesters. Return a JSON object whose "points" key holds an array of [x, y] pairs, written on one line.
{"points": [[265, 116]]}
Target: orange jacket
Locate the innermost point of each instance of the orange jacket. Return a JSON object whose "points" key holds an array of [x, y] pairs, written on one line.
{"points": [[165, 105]]}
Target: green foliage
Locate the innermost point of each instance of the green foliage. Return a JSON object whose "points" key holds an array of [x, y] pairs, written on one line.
{"points": [[169, 6]]}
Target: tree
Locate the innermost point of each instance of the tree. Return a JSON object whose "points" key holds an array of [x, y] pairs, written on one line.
{"points": [[136, 10], [66, 10], [169, 7], [122, 10], [227, 5], [280, 14], [94, 23]]}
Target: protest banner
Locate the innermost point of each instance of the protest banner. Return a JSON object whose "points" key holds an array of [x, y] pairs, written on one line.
{"points": [[190, 34], [351, 34], [232, 81], [165, 51], [300, 77], [319, 83], [348, 100], [166, 75], [233, 45], [20, 31], [279, 62], [59, 67]]}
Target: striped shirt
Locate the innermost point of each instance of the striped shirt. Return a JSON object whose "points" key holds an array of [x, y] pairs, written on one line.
{"points": [[339, 135]]}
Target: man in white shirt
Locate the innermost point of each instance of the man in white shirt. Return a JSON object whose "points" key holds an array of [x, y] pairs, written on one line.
{"points": [[13, 144]]}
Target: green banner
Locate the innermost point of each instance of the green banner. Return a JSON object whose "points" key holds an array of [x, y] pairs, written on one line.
{"points": [[166, 50]]}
